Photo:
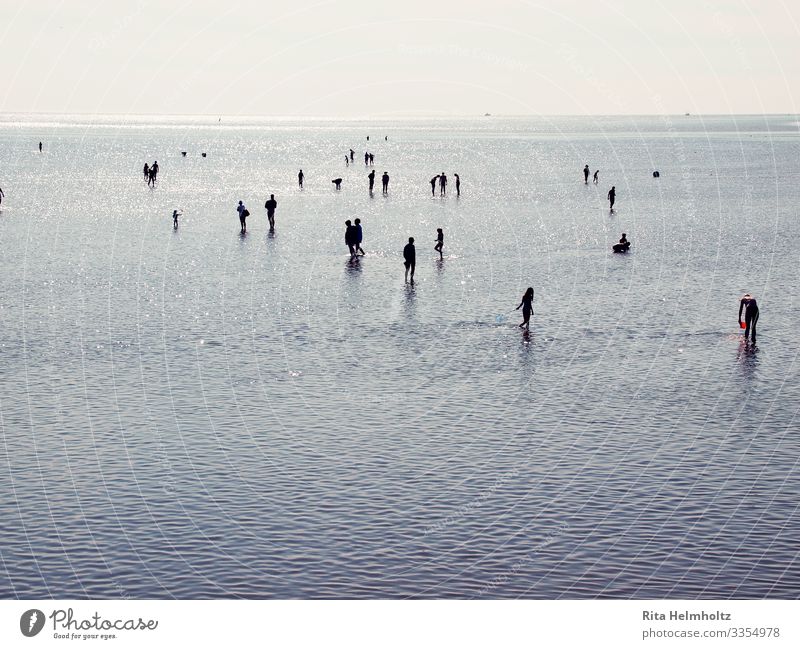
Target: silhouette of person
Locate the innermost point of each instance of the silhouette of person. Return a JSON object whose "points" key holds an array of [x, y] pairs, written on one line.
{"points": [[386, 138], [385, 182], [40, 147], [527, 308], [243, 214], [586, 175], [371, 177], [175, 214], [352, 153], [151, 177], [750, 306], [351, 238], [594, 178], [371, 159], [346, 161], [147, 172], [270, 206], [623, 244], [300, 177], [612, 196], [366, 158], [359, 237], [367, 138], [337, 182], [458, 185], [410, 257], [442, 184], [439, 242], [2, 195], [434, 180]]}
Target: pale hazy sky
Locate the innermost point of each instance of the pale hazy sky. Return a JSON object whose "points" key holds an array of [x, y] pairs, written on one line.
{"points": [[382, 57]]}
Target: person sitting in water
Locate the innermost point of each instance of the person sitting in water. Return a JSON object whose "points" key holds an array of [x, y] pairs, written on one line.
{"points": [[623, 244], [750, 306]]}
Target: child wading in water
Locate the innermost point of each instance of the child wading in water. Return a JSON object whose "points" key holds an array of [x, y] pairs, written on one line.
{"points": [[439, 242], [527, 308]]}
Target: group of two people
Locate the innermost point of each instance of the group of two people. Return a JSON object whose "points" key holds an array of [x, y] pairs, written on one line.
{"points": [[271, 205], [441, 180], [151, 173]]}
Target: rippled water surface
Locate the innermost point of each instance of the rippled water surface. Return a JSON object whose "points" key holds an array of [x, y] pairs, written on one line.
{"points": [[190, 413]]}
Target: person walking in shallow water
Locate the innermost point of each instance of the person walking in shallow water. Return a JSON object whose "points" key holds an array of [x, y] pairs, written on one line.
{"points": [[434, 180], [300, 177], [175, 215], [442, 184], [750, 306], [40, 147], [147, 172], [586, 175], [612, 196], [371, 177], [271, 205], [359, 237], [243, 214], [350, 238], [458, 184], [527, 308], [410, 258], [439, 242], [385, 181], [594, 178]]}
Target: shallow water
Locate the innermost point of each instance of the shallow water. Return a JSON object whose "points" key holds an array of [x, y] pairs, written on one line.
{"points": [[195, 414]]}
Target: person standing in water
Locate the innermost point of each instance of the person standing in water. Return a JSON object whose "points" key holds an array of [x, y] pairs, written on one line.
{"points": [[147, 172], [366, 158], [410, 258], [352, 153], [439, 242], [527, 308], [300, 177], [270, 206], [442, 184], [346, 161], [371, 177], [385, 182], [359, 237], [243, 214], [40, 147], [350, 237], [458, 185], [612, 196], [586, 175], [750, 306], [371, 159], [175, 215], [595, 178], [434, 180], [2, 195]]}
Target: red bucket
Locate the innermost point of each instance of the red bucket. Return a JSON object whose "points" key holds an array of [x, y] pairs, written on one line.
{"points": [[742, 325]]}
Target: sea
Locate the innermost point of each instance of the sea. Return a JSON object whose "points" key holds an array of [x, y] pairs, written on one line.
{"points": [[195, 413]]}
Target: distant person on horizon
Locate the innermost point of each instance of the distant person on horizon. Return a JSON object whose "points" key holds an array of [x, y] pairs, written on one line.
{"points": [[439, 242], [612, 196], [434, 180], [40, 147], [371, 177], [359, 237], [270, 206], [527, 308], [442, 184], [243, 214], [350, 238], [300, 177], [410, 258], [750, 306], [586, 175], [458, 184], [385, 183], [594, 178]]}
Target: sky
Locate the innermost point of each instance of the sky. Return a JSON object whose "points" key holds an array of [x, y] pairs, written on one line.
{"points": [[384, 58]]}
